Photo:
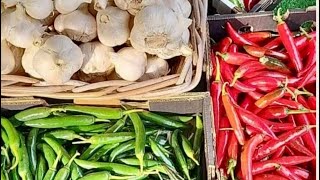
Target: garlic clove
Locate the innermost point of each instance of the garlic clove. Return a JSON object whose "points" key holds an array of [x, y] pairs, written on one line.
{"points": [[27, 61], [67, 6], [97, 58], [58, 59], [38, 9], [130, 64], [11, 58], [79, 25], [156, 67], [113, 26], [133, 7]]}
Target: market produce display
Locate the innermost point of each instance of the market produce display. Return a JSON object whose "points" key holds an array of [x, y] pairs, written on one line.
{"points": [[87, 142], [263, 92], [76, 42]]}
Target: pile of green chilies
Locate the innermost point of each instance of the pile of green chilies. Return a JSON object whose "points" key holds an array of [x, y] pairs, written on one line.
{"points": [[88, 142]]}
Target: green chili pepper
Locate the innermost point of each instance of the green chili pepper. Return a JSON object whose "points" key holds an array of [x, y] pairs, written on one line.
{"points": [[41, 168], [136, 162], [99, 112], [90, 151], [3, 176], [149, 156], [157, 151], [24, 165], [118, 125], [108, 138], [15, 122], [73, 149], [50, 174], [140, 137], [64, 134], [161, 120], [5, 159], [32, 148], [89, 128], [124, 147], [191, 164], [97, 175], [187, 148], [197, 141], [14, 140], [64, 121], [4, 138], [113, 167], [48, 153], [184, 119], [14, 174], [76, 171], [179, 154], [64, 172], [102, 151], [35, 113]]}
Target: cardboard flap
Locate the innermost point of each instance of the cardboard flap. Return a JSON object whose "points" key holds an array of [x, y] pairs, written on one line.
{"points": [[21, 103]]}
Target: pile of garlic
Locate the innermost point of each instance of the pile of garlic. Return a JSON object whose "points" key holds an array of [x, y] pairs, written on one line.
{"points": [[52, 40]]}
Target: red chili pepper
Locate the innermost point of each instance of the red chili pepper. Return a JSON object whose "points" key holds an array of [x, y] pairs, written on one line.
{"points": [[247, 102], [298, 147], [302, 41], [246, 155], [222, 141], [236, 58], [312, 102], [272, 145], [311, 59], [233, 48], [279, 127], [269, 176], [292, 160], [309, 137], [303, 173], [234, 94], [311, 117], [258, 37], [262, 51], [274, 64], [277, 112], [308, 76], [232, 115], [270, 97], [266, 73], [249, 4], [291, 119], [274, 44], [237, 38], [224, 44], [265, 84], [279, 153], [233, 148], [247, 67], [284, 171], [255, 121], [288, 42], [251, 131], [215, 91], [227, 75]]}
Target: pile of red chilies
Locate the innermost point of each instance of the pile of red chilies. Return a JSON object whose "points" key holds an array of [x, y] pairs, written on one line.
{"points": [[264, 104]]}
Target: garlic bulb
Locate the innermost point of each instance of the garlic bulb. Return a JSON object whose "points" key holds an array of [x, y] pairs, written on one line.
{"points": [[10, 58], [67, 6], [58, 59], [179, 6], [113, 26], [97, 58], [133, 6], [38, 9], [98, 5], [79, 25], [156, 67], [48, 21], [9, 3], [19, 29], [155, 36], [130, 64]]}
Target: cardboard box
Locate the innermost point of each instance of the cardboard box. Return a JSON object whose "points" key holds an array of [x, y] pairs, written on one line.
{"points": [[188, 103]]}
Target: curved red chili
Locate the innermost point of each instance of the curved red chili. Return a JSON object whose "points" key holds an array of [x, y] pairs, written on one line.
{"points": [[274, 44], [246, 155], [302, 41], [265, 84], [237, 38], [247, 67], [236, 58], [298, 147], [269, 176], [224, 44], [303, 173], [233, 148], [311, 59], [277, 112], [233, 48], [249, 4], [247, 102], [312, 102], [279, 153], [222, 141], [284, 171], [308, 138], [232, 115], [266, 73], [288, 42], [274, 64], [262, 51], [270, 97], [258, 37], [311, 116]]}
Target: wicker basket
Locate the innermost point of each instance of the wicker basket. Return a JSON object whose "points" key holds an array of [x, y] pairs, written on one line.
{"points": [[185, 77]]}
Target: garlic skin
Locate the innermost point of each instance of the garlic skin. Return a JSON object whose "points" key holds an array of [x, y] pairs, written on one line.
{"points": [[130, 64], [156, 67], [27, 61], [48, 21], [67, 6], [133, 6], [20, 29], [97, 58], [155, 36], [58, 59], [179, 6], [9, 3], [79, 25], [10, 58], [38, 9], [113, 26]]}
